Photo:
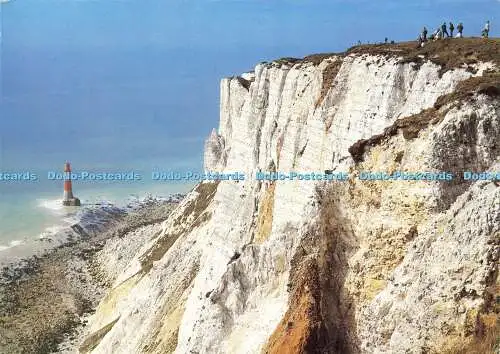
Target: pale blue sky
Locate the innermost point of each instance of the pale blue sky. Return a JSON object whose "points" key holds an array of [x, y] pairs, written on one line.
{"points": [[136, 83]]}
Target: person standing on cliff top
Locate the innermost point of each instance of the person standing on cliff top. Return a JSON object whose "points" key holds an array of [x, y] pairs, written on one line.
{"points": [[424, 34], [438, 34], [460, 29], [434, 35], [444, 30], [486, 30], [452, 28]]}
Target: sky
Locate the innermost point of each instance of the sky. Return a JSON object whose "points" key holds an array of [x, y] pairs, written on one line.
{"points": [[118, 83]]}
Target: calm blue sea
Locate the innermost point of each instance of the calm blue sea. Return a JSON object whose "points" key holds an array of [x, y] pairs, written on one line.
{"points": [[66, 97], [123, 85], [110, 111]]}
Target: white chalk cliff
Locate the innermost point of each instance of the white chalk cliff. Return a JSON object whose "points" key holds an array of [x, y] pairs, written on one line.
{"points": [[327, 267]]}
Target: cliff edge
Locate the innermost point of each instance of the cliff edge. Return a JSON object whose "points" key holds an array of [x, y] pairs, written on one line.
{"points": [[358, 266]]}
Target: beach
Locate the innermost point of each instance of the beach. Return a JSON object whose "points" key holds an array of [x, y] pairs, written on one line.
{"points": [[46, 297]]}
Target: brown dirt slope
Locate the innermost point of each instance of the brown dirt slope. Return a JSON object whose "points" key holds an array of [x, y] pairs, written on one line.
{"points": [[302, 327], [329, 75], [320, 314]]}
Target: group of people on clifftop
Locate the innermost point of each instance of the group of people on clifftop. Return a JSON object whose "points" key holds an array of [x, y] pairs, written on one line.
{"points": [[442, 32]]}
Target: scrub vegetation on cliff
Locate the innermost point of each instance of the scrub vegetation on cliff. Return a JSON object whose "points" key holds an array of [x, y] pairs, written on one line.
{"points": [[449, 54]]}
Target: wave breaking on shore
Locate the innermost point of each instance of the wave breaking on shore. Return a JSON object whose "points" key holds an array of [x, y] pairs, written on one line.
{"points": [[92, 217], [64, 282]]}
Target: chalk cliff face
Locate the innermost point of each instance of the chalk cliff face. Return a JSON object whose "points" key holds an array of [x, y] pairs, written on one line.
{"points": [[330, 267]]}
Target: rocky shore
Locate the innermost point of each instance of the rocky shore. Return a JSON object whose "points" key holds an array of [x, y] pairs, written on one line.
{"points": [[45, 300]]}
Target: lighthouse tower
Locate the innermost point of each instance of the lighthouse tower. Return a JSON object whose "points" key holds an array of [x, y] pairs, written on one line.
{"points": [[69, 199]]}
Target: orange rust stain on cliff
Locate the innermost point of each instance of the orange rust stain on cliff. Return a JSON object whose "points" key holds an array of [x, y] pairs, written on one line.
{"points": [[301, 328]]}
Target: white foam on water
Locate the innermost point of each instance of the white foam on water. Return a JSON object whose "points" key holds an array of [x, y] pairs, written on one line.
{"points": [[53, 205], [94, 214], [71, 219], [51, 231], [68, 215], [12, 243]]}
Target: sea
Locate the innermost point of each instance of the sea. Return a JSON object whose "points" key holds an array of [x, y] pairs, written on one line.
{"points": [[111, 86], [109, 111], [35, 213], [117, 106]]}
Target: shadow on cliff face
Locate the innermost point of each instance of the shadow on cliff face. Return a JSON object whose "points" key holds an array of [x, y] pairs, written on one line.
{"points": [[320, 318], [470, 144]]}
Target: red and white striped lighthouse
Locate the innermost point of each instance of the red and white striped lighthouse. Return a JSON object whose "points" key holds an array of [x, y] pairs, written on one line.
{"points": [[69, 199]]}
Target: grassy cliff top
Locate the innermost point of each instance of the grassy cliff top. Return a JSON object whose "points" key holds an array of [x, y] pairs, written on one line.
{"points": [[449, 53]]}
